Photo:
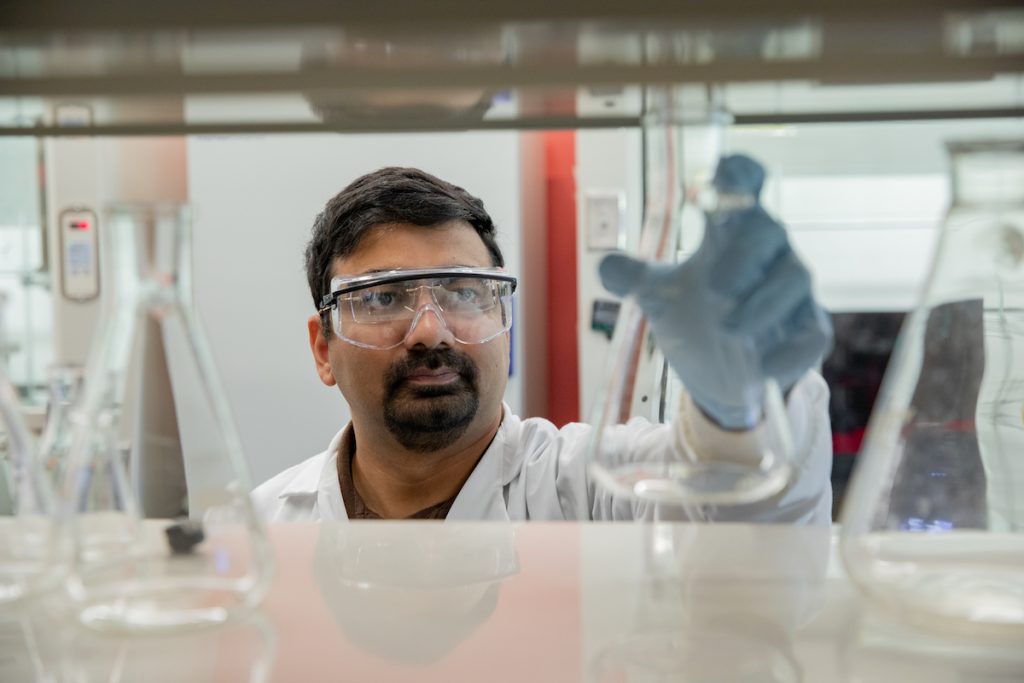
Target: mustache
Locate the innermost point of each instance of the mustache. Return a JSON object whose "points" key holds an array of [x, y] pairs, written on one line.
{"points": [[431, 359]]}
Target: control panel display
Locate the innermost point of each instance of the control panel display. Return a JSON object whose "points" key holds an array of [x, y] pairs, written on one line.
{"points": [[80, 277]]}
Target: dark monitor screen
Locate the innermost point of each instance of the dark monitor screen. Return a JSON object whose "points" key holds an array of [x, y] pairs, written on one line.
{"points": [[864, 342]]}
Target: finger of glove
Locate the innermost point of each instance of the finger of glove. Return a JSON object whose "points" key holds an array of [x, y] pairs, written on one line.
{"points": [[775, 300], [621, 274], [799, 351], [739, 173], [739, 250]]}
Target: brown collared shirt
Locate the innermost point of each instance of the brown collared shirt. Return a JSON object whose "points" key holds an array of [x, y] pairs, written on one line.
{"points": [[355, 506]]}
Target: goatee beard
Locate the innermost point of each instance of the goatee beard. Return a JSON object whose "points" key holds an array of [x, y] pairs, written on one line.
{"points": [[425, 418]]}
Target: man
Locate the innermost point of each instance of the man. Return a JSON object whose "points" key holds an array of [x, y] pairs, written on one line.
{"points": [[412, 325]]}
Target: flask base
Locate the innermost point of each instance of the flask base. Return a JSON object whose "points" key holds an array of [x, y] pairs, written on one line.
{"points": [[168, 607], [968, 581], [27, 564], [713, 483], [712, 654]]}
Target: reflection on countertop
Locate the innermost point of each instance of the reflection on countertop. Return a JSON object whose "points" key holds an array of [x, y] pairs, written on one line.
{"points": [[412, 598], [425, 601], [41, 642], [692, 604]]}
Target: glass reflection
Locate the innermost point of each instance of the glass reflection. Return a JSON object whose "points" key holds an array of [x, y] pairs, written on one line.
{"points": [[40, 642], [26, 652], [412, 598], [698, 603], [367, 50], [240, 652], [878, 647]]}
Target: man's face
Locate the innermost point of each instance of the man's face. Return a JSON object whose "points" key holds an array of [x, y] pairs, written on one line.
{"points": [[431, 390]]}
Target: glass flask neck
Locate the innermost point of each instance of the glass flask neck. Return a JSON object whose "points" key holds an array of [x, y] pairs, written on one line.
{"points": [[65, 383], [150, 247], [683, 129], [990, 173]]}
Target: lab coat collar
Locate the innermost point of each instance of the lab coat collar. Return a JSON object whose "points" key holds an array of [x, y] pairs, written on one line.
{"points": [[319, 479], [482, 496]]}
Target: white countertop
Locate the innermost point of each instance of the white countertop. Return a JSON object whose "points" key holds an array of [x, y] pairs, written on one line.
{"points": [[389, 601]]}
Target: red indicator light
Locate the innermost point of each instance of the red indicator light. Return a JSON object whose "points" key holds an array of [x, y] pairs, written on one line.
{"points": [[79, 225]]}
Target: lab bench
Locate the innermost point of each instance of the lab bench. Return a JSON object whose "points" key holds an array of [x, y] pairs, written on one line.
{"points": [[425, 601]]}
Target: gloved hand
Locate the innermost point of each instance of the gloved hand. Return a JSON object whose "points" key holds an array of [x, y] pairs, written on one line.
{"points": [[739, 310]]}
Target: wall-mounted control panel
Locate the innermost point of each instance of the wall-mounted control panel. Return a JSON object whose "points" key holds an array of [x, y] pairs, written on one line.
{"points": [[79, 260], [605, 219]]}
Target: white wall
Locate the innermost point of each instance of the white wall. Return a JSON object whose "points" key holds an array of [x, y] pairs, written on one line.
{"points": [[255, 199]]}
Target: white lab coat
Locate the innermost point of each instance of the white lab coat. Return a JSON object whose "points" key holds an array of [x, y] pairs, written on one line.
{"points": [[533, 470]]}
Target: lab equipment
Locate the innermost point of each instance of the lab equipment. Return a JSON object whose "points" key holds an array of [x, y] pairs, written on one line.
{"points": [[26, 502], [125, 575], [64, 388], [80, 259], [934, 520], [379, 310], [719, 366]]}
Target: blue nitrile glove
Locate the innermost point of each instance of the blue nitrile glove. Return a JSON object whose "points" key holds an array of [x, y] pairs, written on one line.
{"points": [[739, 310]]}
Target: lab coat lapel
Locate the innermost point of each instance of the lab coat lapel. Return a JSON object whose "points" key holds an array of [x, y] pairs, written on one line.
{"points": [[482, 496], [329, 503]]}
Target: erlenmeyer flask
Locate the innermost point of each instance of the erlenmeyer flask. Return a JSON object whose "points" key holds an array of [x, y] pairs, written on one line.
{"points": [[682, 138], [935, 513], [26, 500], [129, 573]]}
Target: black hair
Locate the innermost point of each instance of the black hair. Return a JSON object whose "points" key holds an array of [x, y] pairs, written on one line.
{"points": [[388, 195]]}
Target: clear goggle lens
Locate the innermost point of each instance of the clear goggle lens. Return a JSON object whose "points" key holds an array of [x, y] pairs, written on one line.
{"points": [[379, 311]]}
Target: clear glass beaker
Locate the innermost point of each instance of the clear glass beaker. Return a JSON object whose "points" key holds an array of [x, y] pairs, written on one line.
{"points": [[682, 137], [26, 500], [934, 519], [151, 359]]}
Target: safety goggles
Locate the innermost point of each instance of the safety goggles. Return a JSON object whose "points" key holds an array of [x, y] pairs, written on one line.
{"points": [[379, 310]]}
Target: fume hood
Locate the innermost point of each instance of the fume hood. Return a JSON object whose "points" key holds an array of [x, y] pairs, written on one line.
{"points": [[93, 92]]}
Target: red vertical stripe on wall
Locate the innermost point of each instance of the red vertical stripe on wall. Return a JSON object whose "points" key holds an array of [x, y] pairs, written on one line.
{"points": [[563, 365]]}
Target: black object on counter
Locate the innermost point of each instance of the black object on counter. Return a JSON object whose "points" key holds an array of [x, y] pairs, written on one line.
{"points": [[184, 536]]}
